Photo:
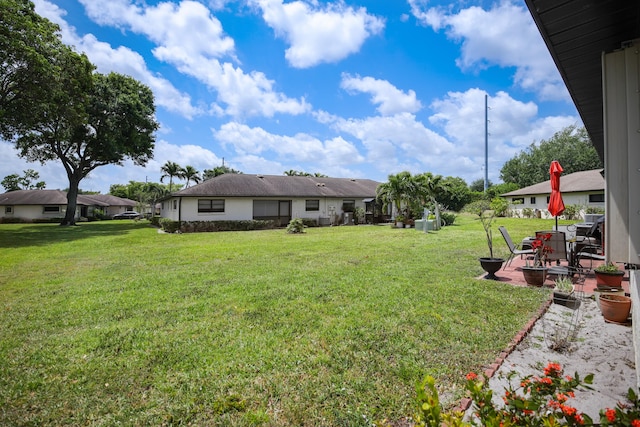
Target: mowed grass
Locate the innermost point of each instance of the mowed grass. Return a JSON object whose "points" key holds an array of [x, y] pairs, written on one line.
{"points": [[113, 323]]}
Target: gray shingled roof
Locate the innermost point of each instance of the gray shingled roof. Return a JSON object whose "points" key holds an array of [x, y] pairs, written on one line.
{"points": [[577, 182], [110, 200], [245, 185], [59, 197]]}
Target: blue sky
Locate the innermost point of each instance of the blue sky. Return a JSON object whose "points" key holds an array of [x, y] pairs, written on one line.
{"points": [[358, 89]]}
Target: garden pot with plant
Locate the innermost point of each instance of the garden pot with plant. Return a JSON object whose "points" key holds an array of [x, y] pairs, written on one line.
{"points": [[399, 221], [615, 308], [491, 265], [563, 293], [609, 275], [536, 274]]}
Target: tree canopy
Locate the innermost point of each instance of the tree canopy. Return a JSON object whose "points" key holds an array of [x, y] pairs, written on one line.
{"points": [[15, 182], [81, 118], [570, 146], [218, 170]]}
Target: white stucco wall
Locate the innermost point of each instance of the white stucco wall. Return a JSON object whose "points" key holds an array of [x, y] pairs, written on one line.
{"points": [[240, 208], [580, 199], [30, 212]]}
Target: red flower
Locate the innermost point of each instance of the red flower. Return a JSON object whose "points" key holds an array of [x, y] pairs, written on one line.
{"points": [[552, 369], [568, 410], [610, 414], [546, 381], [635, 423], [471, 376]]}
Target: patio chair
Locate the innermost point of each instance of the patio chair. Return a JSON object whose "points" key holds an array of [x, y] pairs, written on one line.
{"points": [[515, 249], [591, 248], [558, 244]]}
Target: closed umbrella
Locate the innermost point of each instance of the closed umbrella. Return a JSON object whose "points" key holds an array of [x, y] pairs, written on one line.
{"points": [[556, 205]]}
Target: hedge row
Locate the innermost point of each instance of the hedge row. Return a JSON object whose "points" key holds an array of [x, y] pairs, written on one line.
{"points": [[170, 226]]}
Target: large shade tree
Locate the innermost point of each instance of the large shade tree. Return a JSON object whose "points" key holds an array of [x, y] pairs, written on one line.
{"points": [[571, 147], [83, 119]]}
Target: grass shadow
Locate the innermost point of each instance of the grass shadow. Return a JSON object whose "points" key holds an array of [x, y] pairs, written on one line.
{"points": [[25, 235]]}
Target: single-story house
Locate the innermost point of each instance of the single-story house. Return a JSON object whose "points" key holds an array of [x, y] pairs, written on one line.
{"points": [[584, 189], [112, 204], [234, 197], [31, 205]]}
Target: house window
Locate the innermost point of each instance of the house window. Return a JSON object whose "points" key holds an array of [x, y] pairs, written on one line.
{"points": [[8, 209], [312, 205], [532, 200], [548, 199], [348, 205], [175, 205], [596, 198], [517, 200], [51, 209], [210, 205]]}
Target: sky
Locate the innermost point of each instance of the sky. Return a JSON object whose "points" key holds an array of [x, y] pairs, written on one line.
{"points": [[353, 88]]}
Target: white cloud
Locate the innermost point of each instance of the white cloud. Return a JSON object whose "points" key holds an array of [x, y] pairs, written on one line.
{"points": [[122, 60], [504, 35], [513, 126], [390, 100], [401, 136], [193, 40], [319, 35], [246, 140]]}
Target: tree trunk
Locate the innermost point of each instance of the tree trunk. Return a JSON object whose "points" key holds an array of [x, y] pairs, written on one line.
{"points": [[72, 202]]}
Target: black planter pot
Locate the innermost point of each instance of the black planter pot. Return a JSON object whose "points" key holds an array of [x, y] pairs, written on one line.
{"points": [[491, 266]]}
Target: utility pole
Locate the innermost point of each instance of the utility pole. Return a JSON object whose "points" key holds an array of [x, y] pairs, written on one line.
{"points": [[486, 144]]}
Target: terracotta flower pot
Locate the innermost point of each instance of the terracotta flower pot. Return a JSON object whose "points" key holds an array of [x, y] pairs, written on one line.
{"points": [[535, 276], [615, 308], [612, 280]]}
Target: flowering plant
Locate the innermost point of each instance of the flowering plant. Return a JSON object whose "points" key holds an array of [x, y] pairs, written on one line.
{"points": [[536, 401], [542, 250]]}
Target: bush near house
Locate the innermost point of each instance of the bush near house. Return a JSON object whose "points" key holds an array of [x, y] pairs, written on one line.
{"points": [[171, 226]]}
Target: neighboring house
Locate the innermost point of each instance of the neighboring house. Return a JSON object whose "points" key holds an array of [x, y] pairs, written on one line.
{"points": [[585, 189], [272, 197], [113, 205], [29, 205]]}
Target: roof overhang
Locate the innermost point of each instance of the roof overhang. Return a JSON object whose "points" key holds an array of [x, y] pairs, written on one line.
{"points": [[577, 33]]}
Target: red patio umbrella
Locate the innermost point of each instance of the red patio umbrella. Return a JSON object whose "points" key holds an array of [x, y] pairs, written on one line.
{"points": [[556, 205]]}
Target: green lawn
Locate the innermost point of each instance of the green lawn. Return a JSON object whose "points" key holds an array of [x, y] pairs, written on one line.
{"points": [[113, 323]]}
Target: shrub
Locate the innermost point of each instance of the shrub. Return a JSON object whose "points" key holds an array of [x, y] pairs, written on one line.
{"points": [[571, 212], [536, 401], [499, 206], [594, 210], [169, 225], [527, 212], [448, 218], [296, 225]]}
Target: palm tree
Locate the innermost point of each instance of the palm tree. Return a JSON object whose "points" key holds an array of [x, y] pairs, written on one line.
{"points": [[397, 191], [428, 187], [171, 169], [191, 174]]}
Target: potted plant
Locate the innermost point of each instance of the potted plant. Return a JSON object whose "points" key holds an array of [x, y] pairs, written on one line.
{"points": [[615, 308], [536, 274], [609, 275], [563, 293], [399, 221], [491, 265]]}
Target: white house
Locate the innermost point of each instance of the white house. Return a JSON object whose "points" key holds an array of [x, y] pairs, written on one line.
{"points": [[234, 197], [584, 189], [29, 205]]}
